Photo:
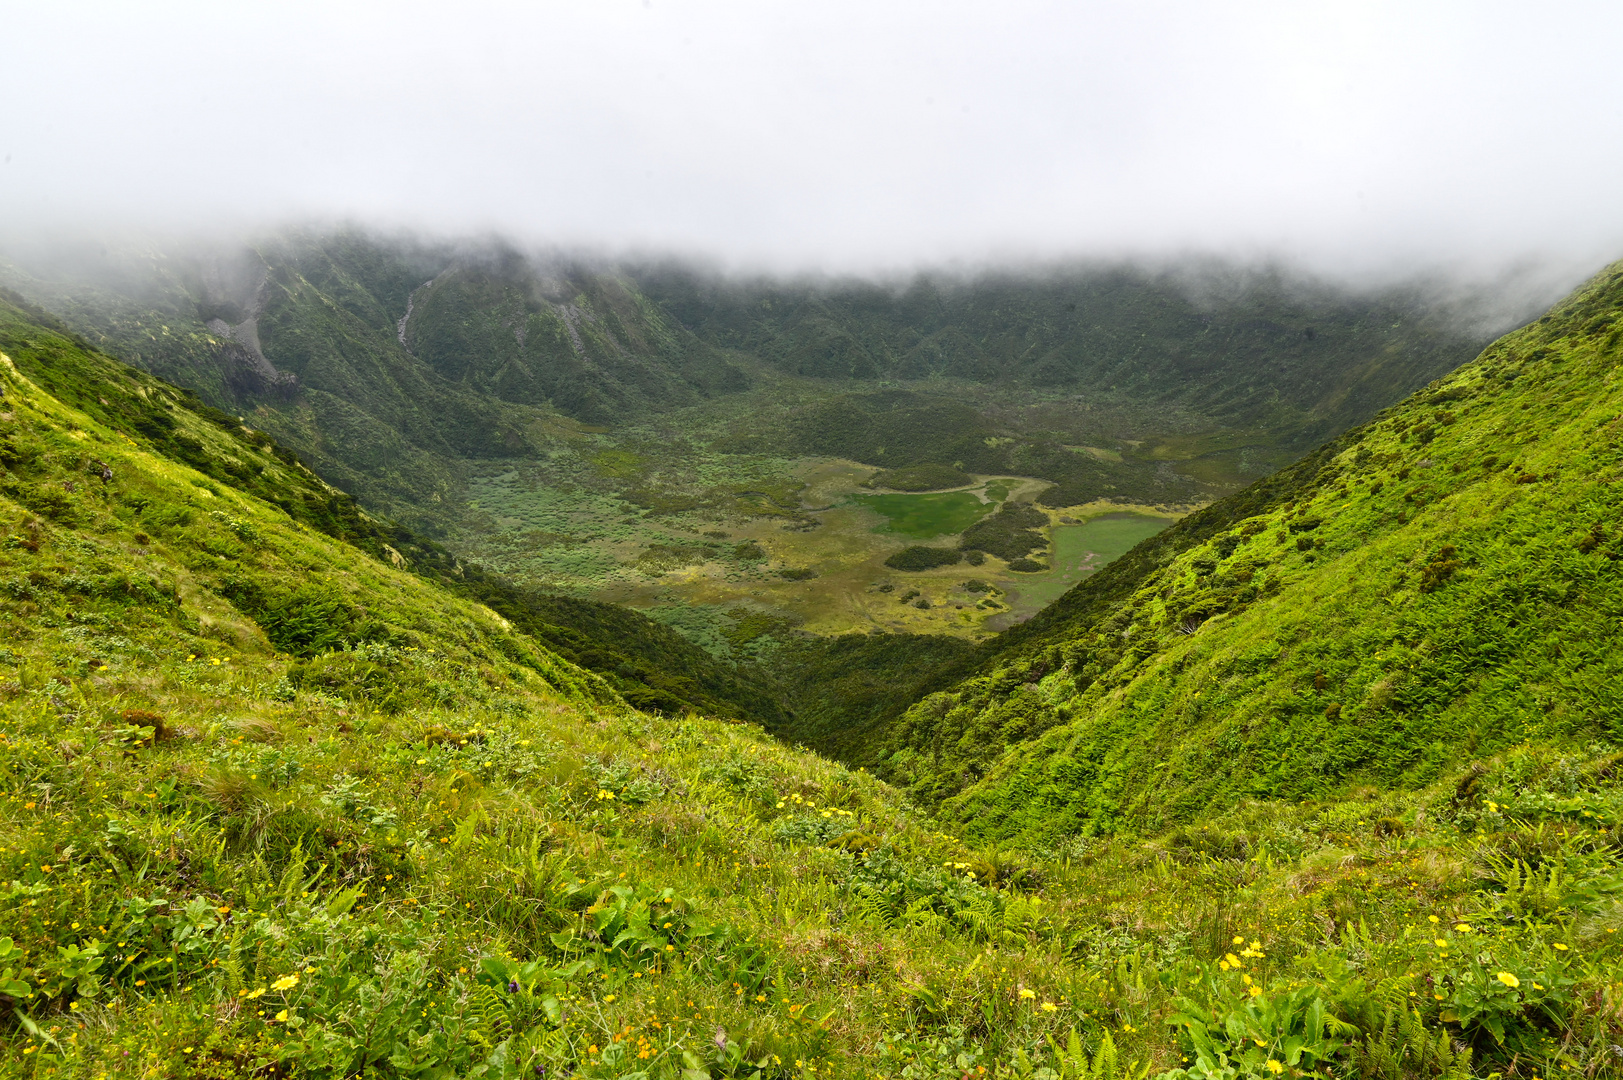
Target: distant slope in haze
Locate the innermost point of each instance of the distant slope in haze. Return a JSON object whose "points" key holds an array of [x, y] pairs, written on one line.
{"points": [[390, 365], [1247, 349]]}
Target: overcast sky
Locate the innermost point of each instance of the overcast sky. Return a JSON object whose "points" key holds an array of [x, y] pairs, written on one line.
{"points": [[833, 134]]}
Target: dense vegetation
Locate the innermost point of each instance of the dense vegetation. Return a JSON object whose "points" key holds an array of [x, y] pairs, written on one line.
{"points": [[1012, 533], [648, 664], [922, 478], [236, 842], [922, 557], [1434, 586]]}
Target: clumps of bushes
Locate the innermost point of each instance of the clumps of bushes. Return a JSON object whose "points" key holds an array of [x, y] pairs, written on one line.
{"points": [[749, 551], [307, 621], [1389, 828], [1196, 843], [146, 726], [797, 573], [1435, 574], [976, 585], [928, 477], [1027, 566], [742, 776], [1012, 533], [662, 557], [918, 557], [388, 679]]}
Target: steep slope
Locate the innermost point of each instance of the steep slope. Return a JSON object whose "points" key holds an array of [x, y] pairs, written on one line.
{"points": [[1439, 584], [649, 665], [128, 557]]}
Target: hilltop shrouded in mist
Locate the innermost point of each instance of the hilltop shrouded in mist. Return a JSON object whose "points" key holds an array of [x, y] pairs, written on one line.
{"points": [[665, 540], [844, 136]]}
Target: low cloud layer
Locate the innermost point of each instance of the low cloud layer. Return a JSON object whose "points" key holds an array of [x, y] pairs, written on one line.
{"points": [[839, 135]]}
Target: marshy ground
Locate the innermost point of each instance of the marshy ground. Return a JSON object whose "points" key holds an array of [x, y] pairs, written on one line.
{"points": [[793, 542]]}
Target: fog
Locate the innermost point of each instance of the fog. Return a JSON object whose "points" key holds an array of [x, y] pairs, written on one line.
{"points": [[1371, 138]]}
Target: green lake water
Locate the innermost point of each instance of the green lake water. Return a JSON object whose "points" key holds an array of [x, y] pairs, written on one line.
{"points": [[924, 516], [1079, 550]]}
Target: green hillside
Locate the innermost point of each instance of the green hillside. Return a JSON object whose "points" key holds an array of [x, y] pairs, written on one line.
{"points": [[648, 664], [272, 805], [1438, 585]]}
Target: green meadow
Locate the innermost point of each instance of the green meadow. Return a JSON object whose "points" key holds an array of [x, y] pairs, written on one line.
{"points": [[925, 516]]}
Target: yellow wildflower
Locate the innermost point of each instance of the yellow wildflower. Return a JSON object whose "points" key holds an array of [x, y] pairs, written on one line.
{"points": [[1508, 979]]}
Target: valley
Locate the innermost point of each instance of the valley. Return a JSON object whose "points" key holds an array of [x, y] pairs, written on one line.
{"points": [[808, 552], [837, 541], [1324, 774], [696, 448]]}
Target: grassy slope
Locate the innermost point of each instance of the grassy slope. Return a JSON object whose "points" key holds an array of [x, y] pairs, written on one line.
{"points": [[443, 851], [1439, 584], [650, 665]]}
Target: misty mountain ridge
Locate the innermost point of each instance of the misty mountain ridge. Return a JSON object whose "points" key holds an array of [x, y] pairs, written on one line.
{"points": [[315, 329]]}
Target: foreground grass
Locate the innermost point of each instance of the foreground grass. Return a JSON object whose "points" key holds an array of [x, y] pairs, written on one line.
{"points": [[310, 888]]}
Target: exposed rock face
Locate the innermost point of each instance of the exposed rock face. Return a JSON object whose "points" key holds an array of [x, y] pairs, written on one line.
{"points": [[234, 290]]}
